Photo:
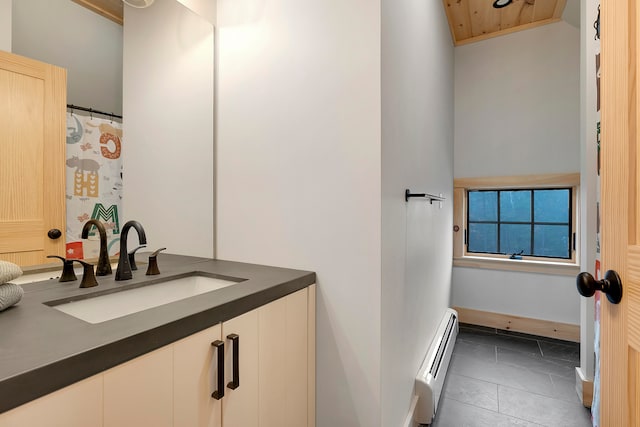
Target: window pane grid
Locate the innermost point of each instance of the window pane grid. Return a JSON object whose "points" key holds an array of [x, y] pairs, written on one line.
{"points": [[516, 222], [544, 238]]}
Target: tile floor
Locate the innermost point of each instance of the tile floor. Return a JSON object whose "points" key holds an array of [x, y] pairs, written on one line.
{"points": [[502, 378]]}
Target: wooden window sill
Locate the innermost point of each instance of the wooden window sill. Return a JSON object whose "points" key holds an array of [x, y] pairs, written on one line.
{"points": [[527, 266]]}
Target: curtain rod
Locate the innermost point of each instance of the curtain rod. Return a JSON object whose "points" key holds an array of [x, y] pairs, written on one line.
{"points": [[91, 110]]}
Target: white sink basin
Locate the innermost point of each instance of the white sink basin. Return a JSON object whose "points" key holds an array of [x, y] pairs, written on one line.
{"points": [[111, 306]]}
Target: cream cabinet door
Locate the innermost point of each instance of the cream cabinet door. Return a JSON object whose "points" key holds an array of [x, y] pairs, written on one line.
{"points": [[240, 404], [78, 405], [140, 392], [196, 374], [271, 384], [275, 369], [194, 377], [284, 362], [32, 164]]}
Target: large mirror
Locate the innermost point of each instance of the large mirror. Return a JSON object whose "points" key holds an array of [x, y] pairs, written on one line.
{"points": [[91, 48]]}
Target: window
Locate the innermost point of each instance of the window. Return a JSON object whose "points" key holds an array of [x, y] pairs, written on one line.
{"points": [[533, 222], [521, 223]]}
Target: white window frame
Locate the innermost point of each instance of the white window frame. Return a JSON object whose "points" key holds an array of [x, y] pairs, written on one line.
{"points": [[462, 258]]}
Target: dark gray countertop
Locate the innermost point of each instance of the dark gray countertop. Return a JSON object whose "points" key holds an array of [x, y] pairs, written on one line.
{"points": [[43, 349]]}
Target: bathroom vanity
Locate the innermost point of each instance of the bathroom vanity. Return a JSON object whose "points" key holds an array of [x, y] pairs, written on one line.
{"points": [[241, 355]]}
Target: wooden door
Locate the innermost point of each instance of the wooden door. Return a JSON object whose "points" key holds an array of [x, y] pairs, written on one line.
{"points": [[620, 195], [32, 139]]}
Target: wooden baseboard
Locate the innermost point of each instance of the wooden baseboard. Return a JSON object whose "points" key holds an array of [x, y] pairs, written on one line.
{"points": [[543, 328], [584, 388]]}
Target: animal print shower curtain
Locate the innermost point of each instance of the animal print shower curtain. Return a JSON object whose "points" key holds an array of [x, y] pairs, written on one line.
{"points": [[94, 183]]}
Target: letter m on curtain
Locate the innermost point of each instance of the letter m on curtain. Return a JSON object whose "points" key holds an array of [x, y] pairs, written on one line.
{"points": [[108, 216]]}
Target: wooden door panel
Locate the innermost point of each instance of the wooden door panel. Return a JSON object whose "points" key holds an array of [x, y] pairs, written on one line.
{"points": [[620, 324], [32, 137], [22, 125], [23, 258], [21, 236], [634, 385], [631, 292]]}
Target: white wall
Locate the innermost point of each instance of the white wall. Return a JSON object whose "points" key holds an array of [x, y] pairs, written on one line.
{"points": [[204, 8], [571, 14], [299, 177], [168, 125], [589, 117], [517, 103], [65, 34], [538, 296], [417, 153], [5, 25], [517, 111]]}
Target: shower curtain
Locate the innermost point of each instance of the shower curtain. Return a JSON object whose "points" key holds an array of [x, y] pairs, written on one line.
{"points": [[93, 183]]}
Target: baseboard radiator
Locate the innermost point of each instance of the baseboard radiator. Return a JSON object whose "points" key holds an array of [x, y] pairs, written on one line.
{"points": [[433, 371]]}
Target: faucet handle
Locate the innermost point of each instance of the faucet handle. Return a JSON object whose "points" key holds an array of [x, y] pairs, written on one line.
{"points": [[132, 257], [88, 276], [68, 275], [152, 268]]}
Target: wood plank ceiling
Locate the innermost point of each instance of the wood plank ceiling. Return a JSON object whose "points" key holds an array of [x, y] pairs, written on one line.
{"points": [[475, 20], [469, 20], [111, 9]]}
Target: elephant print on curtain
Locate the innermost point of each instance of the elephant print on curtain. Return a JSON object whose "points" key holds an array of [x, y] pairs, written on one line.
{"points": [[94, 182]]}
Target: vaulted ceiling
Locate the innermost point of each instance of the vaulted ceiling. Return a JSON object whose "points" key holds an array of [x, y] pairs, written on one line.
{"points": [[111, 9], [469, 20], [475, 20]]}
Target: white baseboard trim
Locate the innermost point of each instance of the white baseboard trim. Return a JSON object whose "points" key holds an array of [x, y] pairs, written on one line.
{"points": [[409, 422]]}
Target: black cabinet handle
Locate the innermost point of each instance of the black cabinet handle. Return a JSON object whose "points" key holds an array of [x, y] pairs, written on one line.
{"points": [[235, 341], [611, 285], [219, 393]]}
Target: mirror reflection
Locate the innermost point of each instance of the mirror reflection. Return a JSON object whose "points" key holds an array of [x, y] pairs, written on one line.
{"points": [[90, 48]]}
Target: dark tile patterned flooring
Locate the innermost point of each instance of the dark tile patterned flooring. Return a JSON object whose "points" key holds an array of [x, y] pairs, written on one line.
{"points": [[502, 378]]}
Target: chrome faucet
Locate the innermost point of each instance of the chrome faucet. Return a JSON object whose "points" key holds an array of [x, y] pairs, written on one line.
{"points": [[123, 272], [104, 266]]}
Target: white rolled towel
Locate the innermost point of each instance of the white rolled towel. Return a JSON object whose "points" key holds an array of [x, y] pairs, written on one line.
{"points": [[9, 271], [10, 294]]}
